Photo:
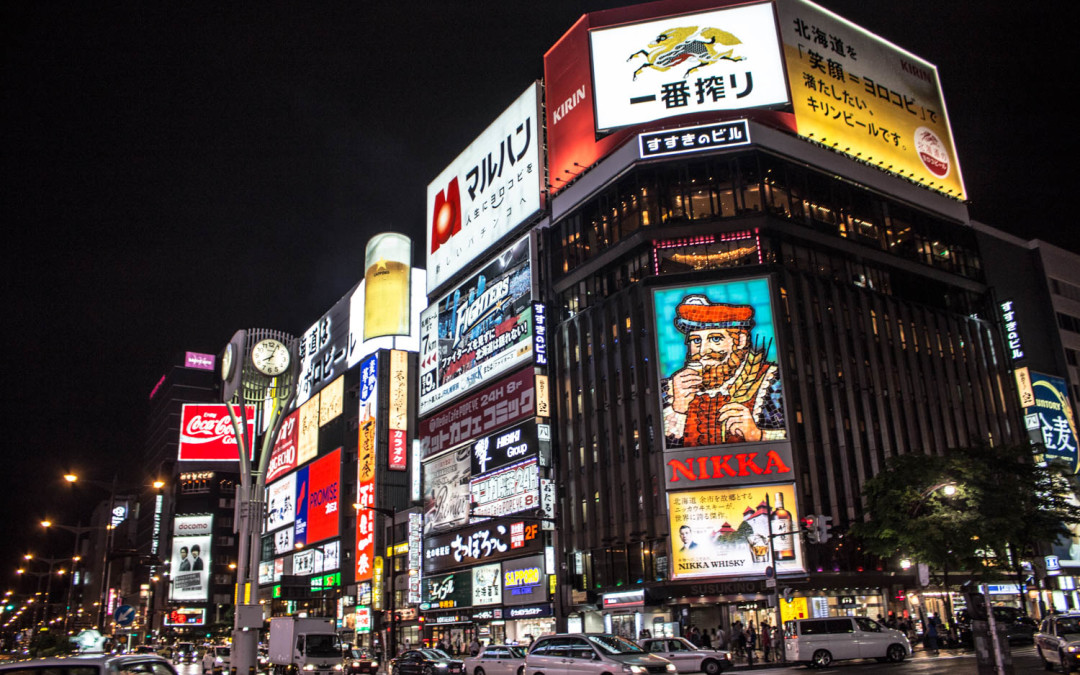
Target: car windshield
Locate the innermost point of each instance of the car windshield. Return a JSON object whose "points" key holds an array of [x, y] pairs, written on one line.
{"points": [[613, 644], [359, 654], [323, 645], [517, 652], [1070, 625]]}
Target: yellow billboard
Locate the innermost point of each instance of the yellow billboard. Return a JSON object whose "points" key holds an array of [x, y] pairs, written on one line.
{"points": [[727, 532], [865, 97]]}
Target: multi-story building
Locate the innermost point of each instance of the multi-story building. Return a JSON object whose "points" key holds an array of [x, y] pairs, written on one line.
{"points": [[751, 281]]}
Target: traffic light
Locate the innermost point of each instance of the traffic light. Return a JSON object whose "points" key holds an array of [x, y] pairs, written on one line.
{"points": [[810, 525], [824, 524]]}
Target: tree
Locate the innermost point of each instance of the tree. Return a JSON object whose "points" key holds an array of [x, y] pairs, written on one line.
{"points": [[1003, 507]]}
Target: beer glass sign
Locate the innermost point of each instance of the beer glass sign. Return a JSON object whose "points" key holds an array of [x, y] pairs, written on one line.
{"points": [[386, 276]]}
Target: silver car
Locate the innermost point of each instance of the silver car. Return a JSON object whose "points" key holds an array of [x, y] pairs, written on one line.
{"points": [[686, 657], [1058, 641], [98, 664], [497, 660], [592, 654]]}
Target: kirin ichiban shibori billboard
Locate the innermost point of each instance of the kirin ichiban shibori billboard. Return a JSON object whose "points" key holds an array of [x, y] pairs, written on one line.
{"points": [[724, 59], [716, 348], [492, 187], [725, 532], [863, 96], [479, 330]]}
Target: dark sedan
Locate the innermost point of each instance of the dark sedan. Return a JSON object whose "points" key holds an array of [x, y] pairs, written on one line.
{"points": [[426, 662], [360, 662]]}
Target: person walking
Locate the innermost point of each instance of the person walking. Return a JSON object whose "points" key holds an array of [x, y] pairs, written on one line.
{"points": [[208, 661], [720, 637], [930, 638], [738, 640], [766, 640]]}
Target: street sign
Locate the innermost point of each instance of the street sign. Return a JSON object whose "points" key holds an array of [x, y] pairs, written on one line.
{"points": [[124, 615]]}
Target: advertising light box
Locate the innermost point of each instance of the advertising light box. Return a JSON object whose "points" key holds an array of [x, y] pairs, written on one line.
{"points": [[486, 542], [492, 187], [1050, 420], [725, 532], [505, 447], [191, 559], [317, 499], [185, 616], [508, 490], [283, 455], [365, 467], [448, 590], [725, 59], [478, 331], [524, 581], [281, 503], [719, 378], [509, 400], [697, 467], [207, 434], [863, 96], [487, 584], [446, 490]]}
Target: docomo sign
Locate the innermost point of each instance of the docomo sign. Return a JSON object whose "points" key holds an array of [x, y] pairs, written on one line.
{"points": [[206, 433], [184, 526], [487, 191]]}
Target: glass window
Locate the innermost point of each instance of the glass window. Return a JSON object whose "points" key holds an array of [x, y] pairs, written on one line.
{"points": [[813, 628], [840, 626], [868, 625]]}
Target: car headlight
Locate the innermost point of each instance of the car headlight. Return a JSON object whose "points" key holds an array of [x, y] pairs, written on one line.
{"points": [[441, 664], [634, 669], [338, 666], [309, 666], [374, 664], [355, 664], [671, 668], [1074, 648]]}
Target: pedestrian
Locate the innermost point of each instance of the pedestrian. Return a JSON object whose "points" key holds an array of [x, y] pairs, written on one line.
{"points": [[751, 637], [721, 638], [703, 639], [208, 661], [738, 640], [766, 639], [474, 647], [930, 637]]}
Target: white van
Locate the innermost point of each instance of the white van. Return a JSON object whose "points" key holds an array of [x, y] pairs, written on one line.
{"points": [[819, 642]]}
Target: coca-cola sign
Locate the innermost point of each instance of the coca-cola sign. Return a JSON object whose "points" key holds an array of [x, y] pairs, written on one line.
{"points": [[206, 433]]}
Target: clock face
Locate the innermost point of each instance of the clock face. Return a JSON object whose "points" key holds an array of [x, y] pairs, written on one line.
{"points": [[270, 357], [227, 361]]}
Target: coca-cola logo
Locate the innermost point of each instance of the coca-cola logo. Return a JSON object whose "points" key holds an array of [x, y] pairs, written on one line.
{"points": [[208, 428]]}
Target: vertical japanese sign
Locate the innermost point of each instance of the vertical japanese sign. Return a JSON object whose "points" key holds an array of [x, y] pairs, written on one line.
{"points": [[365, 467], [540, 339], [323, 350], [317, 486], [1012, 330], [331, 401], [863, 96], [416, 545], [1050, 421], [492, 187], [283, 456], [726, 59], [308, 438], [719, 377], [398, 422]]}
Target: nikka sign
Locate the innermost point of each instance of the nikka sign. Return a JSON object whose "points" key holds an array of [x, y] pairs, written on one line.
{"points": [[206, 433], [724, 466]]}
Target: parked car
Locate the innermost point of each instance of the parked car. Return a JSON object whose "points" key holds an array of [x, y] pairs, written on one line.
{"points": [[819, 642], [98, 664], [592, 654], [1058, 641], [497, 660], [1019, 628], [425, 662], [360, 662], [687, 657]]}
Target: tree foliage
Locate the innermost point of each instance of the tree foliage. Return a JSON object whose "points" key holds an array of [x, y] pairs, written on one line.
{"points": [[1003, 507]]}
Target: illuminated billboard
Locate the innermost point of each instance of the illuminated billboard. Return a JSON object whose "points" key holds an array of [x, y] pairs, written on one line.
{"points": [[446, 490], [726, 532], [490, 189], [511, 489], [317, 499], [1049, 418], [207, 434], [509, 400], [283, 455], [486, 542], [281, 503], [865, 97], [705, 467], [191, 559], [716, 349], [365, 467], [448, 590], [525, 581], [719, 60], [479, 330], [487, 584], [185, 616], [398, 417]]}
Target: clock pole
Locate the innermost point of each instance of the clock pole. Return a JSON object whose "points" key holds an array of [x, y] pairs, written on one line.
{"points": [[258, 370]]}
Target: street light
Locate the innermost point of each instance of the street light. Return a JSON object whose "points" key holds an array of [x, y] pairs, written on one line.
{"points": [[78, 531]]}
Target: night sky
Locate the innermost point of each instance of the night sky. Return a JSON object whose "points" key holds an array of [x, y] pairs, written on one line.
{"points": [[175, 171]]}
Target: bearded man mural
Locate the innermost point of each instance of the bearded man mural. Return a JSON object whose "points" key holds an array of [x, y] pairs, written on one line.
{"points": [[727, 391]]}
